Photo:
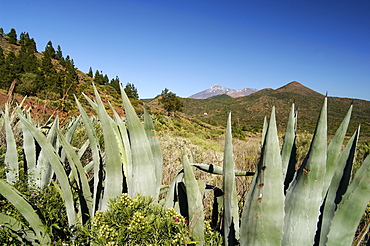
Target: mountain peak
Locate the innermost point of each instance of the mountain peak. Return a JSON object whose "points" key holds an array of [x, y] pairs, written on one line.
{"points": [[216, 89], [211, 91], [297, 88]]}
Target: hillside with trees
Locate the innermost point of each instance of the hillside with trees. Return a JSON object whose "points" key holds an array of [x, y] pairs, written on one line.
{"points": [[48, 77]]}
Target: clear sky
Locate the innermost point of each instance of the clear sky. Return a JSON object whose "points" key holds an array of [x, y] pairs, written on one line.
{"points": [[190, 45]]}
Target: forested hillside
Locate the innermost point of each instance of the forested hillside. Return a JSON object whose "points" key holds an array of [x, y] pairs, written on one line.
{"points": [[47, 74]]}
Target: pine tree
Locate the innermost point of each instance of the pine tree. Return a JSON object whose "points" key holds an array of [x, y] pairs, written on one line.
{"points": [[33, 45], [12, 69], [98, 78], [131, 91], [49, 50], [105, 79], [2, 57], [26, 55], [12, 36], [90, 73], [47, 65], [115, 84], [23, 37], [59, 54], [3, 72], [1, 31]]}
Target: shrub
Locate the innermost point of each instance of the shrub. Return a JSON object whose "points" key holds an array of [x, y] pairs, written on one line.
{"points": [[138, 222]]}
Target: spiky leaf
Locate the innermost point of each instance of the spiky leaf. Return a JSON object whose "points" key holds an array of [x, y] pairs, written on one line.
{"points": [[304, 196], [194, 199], [263, 213], [231, 213], [26, 210]]}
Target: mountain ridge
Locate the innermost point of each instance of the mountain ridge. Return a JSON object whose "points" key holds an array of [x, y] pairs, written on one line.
{"points": [[249, 111], [216, 90]]}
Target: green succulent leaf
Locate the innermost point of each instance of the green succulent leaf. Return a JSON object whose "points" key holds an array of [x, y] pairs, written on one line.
{"points": [[57, 166], [11, 155], [44, 168], [80, 176], [340, 180], [24, 208], [96, 156], [113, 162], [214, 169], [289, 139], [304, 196], [334, 150], [29, 147], [194, 199], [231, 213], [142, 177], [155, 146], [351, 208], [15, 225], [263, 214]]}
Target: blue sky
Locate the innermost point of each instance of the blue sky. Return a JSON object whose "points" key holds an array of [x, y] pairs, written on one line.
{"points": [[190, 45]]}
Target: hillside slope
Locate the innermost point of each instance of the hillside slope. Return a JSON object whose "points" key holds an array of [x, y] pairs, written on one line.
{"points": [[248, 112]]}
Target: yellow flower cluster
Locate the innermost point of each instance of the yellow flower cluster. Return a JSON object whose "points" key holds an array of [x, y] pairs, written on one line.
{"points": [[105, 232], [138, 222]]}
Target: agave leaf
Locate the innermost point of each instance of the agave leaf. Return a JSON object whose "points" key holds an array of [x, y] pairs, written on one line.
{"points": [[231, 216], [334, 150], [304, 196], [289, 139], [351, 208], [172, 193], [57, 166], [96, 156], [194, 199], [264, 130], [142, 179], [113, 163], [29, 147], [155, 146], [263, 213], [340, 178], [45, 172], [26, 210], [122, 142], [92, 103], [69, 135], [80, 176], [11, 155], [28, 236], [83, 148], [214, 169]]}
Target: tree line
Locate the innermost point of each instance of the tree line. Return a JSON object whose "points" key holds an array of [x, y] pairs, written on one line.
{"points": [[53, 76], [49, 76]]}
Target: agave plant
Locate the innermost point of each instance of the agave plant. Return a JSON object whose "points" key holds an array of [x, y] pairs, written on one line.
{"points": [[129, 148], [282, 207], [314, 205]]}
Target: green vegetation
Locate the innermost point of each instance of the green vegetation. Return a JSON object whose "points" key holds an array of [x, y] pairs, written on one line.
{"points": [[171, 103], [128, 159], [115, 181], [249, 111], [47, 75]]}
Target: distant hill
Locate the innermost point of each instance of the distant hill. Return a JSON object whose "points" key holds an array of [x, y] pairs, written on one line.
{"points": [[241, 92], [220, 96], [219, 90], [211, 92], [248, 112]]}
